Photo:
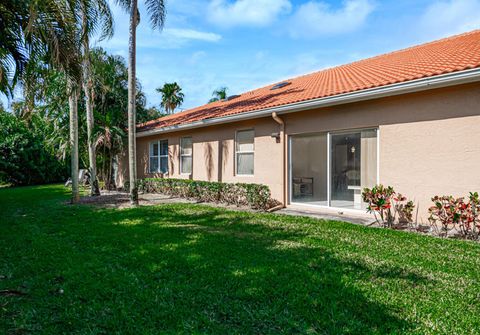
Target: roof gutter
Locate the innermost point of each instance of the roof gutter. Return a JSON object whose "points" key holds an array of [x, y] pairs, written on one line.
{"points": [[444, 80]]}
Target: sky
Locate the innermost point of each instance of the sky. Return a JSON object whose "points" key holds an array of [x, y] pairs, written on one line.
{"points": [[247, 44]]}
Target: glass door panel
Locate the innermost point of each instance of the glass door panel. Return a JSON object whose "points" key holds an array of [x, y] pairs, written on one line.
{"points": [[309, 169], [345, 176]]}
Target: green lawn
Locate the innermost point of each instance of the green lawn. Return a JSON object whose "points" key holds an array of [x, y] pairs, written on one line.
{"points": [[197, 269]]}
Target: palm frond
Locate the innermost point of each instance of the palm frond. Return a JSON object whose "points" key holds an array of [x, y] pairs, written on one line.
{"points": [[157, 12]]}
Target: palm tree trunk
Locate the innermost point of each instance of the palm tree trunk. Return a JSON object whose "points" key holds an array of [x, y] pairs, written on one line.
{"points": [[73, 106], [131, 104], [87, 87], [110, 186]]}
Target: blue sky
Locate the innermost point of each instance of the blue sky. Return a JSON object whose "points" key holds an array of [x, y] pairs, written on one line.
{"points": [[245, 44]]}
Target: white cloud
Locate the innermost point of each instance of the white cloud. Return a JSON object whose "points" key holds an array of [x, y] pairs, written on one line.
{"points": [[190, 34], [196, 57], [246, 12], [450, 17], [317, 18], [169, 38]]}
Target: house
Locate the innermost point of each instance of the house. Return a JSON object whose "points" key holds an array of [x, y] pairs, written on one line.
{"points": [[409, 119]]}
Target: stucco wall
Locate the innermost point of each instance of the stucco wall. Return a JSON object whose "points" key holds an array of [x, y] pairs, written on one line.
{"points": [[214, 156], [429, 143]]}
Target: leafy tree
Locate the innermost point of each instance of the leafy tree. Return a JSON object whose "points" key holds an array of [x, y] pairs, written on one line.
{"points": [[148, 114], [157, 12], [172, 96], [219, 94], [24, 156]]}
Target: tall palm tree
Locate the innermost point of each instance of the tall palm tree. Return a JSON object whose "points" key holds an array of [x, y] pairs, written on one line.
{"points": [[89, 16], [157, 12], [95, 15], [40, 30], [172, 96], [219, 94]]}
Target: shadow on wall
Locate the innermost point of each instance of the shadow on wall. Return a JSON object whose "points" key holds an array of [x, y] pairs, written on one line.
{"points": [[209, 164], [225, 154], [172, 158], [144, 163], [243, 275]]}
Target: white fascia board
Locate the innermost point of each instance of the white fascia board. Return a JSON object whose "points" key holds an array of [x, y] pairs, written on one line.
{"points": [[444, 80]]}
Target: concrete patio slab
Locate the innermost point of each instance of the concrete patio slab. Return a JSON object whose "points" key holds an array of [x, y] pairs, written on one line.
{"points": [[329, 214]]}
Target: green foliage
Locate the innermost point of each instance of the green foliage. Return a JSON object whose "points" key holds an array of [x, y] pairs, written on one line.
{"points": [[219, 94], [49, 102], [253, 195], [25, 157], [33, 30], [147, 114]]}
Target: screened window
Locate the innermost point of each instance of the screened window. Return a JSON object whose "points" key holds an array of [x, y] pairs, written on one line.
{"points": [[159, 156], [244, 152], [186, 150]]}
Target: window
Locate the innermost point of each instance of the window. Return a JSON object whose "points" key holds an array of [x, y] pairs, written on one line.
{"points": [[244, 152], [159, 156], [186, 149]]}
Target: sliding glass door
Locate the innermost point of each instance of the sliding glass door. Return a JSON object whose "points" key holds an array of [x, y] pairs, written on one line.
{"points": [[309, 169], [331, 169]]}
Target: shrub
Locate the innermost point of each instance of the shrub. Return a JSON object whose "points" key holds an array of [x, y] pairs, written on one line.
{"points": [[391, 207], [255, 196], [25, 158], [457, 214]]}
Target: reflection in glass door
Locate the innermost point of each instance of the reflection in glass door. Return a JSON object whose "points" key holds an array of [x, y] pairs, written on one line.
{"points": [[331, 169]]}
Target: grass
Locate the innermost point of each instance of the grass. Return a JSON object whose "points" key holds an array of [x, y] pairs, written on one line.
{"points": [[196, 269]]}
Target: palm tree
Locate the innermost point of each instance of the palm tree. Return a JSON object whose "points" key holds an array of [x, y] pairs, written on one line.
{"points": [[95, 15], [89, 16], [172, 96], [109, 139], [219, 94], [157, 12], [34, 30]]}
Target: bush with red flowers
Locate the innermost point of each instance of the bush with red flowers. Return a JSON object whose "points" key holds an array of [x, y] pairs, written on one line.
{"points": [[460, 215], [388, 206]]}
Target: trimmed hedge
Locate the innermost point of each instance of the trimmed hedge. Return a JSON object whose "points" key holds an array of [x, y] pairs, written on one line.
{"points": [[255, 196]]}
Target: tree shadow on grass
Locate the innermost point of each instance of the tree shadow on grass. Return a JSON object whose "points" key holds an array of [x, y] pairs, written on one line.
{"points": [[190, 269]]}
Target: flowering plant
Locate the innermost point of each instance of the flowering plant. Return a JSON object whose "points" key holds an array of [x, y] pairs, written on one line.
{"points": [[460, 214], [388, 205]]}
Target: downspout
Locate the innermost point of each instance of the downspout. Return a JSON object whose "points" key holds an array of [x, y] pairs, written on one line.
{"points": [[284, 155]]}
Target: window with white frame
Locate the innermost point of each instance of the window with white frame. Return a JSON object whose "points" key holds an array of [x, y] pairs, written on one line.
{"points": [[159, 156], [186, 150], [244, 152]]}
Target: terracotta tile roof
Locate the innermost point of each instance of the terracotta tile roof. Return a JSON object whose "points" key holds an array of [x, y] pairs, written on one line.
{"points": [[447, 55]]}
